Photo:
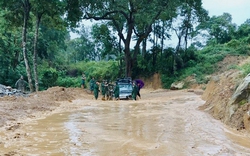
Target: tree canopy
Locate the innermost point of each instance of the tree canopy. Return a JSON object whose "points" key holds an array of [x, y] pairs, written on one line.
{"points": [[131, 36], [131, 19]]}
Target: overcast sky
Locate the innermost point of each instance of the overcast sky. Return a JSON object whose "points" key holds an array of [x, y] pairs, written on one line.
{"points": [[239, 9]]}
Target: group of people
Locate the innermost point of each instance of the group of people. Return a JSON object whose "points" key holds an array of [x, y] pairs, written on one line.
{"points": [[108, 89], [136, 90]]}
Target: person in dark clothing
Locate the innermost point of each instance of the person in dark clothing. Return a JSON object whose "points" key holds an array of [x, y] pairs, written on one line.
{"points": [[92, 84], [134, 91], [83, 80], [116, 91], [104, 88], [21, 84], [96, 90], [138, 93]]}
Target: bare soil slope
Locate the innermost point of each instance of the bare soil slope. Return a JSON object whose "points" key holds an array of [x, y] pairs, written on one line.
{"points": [[220, 89]]}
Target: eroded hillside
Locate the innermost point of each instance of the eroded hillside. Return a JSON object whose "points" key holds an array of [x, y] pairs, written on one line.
{"points": [[219, 92]]}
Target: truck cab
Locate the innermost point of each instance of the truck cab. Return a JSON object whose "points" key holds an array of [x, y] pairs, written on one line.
{"points": [[125, 88]]}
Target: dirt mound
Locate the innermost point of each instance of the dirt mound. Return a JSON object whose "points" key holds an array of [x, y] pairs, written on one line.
{"points": [[13, 108], [153, 82], [229, 62], [56, 94]]}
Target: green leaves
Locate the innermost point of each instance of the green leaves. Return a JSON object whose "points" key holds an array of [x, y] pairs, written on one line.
{"points": [[49, 77]]}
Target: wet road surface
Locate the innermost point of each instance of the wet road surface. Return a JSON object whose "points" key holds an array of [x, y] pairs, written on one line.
{"points": [[162, 124]]}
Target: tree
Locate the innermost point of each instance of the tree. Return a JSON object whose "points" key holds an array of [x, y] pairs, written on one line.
{"points": [[26, 7], [243, 30], [53, 10], [17, 11], [129, 18], [10, 52], [218, 29], [82, 48], [105, 40]]}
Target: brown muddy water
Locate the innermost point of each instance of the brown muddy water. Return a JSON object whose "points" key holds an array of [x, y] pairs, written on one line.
{"points": [[165, 126]]}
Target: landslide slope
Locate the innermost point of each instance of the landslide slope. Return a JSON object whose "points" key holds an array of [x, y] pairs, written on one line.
{"points": [[219, 91]]}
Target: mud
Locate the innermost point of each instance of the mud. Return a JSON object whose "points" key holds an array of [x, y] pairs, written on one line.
{"points": [[162, 123]]}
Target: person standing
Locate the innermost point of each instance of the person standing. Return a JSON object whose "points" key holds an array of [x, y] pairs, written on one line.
{"points": [[83, 80], [96, 90], [116, 91], [92, 84], [134, 91], [104, 88], [21, 84], [139, 87]]}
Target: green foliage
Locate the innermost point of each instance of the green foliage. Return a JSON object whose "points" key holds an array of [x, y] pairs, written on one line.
{"points": [[240, 47], [167, 80], [62, 61], [242, 102], [49, 77], [220, 29], [69, 81], [200, 63], [100, 70], [144, 66], [246, 69], [104, 40]]}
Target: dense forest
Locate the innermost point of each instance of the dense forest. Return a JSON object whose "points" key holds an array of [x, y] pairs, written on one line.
{"points": [[128, 38]]}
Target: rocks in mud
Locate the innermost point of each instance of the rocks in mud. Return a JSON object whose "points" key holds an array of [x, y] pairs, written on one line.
{"points": [[7, 90], [177, 85], [241, 96]]}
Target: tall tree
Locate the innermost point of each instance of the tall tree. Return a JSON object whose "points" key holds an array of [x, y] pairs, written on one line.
{"points": [[183, 25], [243, 30], [103, 37], [129, 17], [26, 6], [217, 29], [53, 11], [20, 9], [10, 52]]}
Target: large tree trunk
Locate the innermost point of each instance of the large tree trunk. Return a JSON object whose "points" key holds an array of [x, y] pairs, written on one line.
{"points": [[26, 10], [137, 48], [144, 47], [162, 37], [128, 62], [35, 52], [128, 58], [120, 60]]}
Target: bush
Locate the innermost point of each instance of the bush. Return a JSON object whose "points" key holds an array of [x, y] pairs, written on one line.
{"points": [[100, 70], [68, 82], [246, 69], [167, 80], [49, 77]]}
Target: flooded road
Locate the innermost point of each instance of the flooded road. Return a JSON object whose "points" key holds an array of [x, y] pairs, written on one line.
{"points": [[161, 123]]}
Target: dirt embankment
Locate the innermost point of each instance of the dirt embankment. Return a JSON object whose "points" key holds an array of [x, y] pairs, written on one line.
{"points": [[219, 91], [16, 108]]}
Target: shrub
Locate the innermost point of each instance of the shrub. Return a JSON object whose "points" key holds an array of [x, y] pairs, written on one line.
{"points": [[68, 82], [49, 77], [246, 69]]}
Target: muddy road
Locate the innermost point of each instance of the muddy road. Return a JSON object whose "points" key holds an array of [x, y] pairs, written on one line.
{"points": [[162, 123]]}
